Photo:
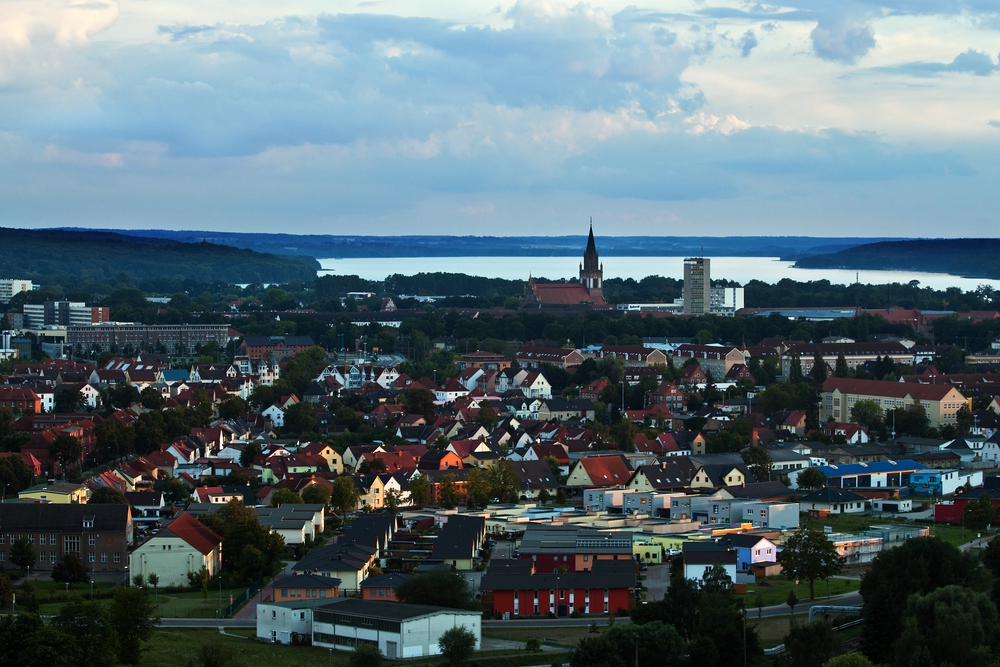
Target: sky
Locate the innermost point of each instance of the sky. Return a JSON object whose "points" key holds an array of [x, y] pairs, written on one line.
{"points": [[687, 117]]}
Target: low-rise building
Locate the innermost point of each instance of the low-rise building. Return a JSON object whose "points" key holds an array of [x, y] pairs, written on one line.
{"points": [[60, 493], [182, 547], [398, 630]]}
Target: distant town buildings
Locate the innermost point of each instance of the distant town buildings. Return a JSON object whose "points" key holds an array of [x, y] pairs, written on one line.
{"points": [[9, 287], [697, 286]]}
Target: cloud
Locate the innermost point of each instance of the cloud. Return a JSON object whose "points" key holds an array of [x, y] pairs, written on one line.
{"points": [[969, 62], [747, 43], [842, 38], [993, 123]]}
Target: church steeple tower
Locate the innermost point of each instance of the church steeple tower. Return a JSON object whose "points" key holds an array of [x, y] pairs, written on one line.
{"points": [[592, 271]]}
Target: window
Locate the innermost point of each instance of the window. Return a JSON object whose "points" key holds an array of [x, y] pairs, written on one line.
{"points": [[91, 556], [586, 558], [284, 592], [104, 557], [92, 540], [3, 538], [322, 593], [52, 540], [118, 557], [71, 543], [41, 556]]}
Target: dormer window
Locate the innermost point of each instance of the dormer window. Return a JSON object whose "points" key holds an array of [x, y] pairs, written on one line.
{"points": [[88, 522]]}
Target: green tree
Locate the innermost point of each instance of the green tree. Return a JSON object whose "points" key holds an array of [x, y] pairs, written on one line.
{"points": [[419, 401], [173, 490], [811, 478], [869, 414], [132, 616], [249, 550], [316, 494], [810, 555], [818, 373], [151, 398], [504, 482], [67, 450], [979, 512], [955, 624], [841, 370], [89, 624], [107, 496], [22, 552], [477, 489], [69, 400], [487, 417], [420, 490], [365, 655], [918, 566], [440, 588], [285, 497], [758, 460], [344, 496], [457, 645], [447, 492], [233, 407], [795, 370], [250, 450], [393, 499], [811, 644], [299, 418], [70, 569]]}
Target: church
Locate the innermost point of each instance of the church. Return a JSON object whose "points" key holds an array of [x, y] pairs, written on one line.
{"points": [[587, 293]]}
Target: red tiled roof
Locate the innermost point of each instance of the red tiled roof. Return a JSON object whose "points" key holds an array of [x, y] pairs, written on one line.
{"points": [[561, 294], [606, 469], [194, 532], [919, 392]]}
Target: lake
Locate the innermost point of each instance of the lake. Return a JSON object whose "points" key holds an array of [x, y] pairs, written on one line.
{"points": [[740, 269]]}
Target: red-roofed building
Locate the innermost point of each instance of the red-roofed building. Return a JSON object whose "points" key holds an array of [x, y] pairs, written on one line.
{"points": [[599, 471], [594, 390], [670, 395], [183, 546], [20, 400], [941, 403]]}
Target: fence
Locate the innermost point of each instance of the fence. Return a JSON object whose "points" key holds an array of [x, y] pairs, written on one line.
{"points": [[226, 611]]}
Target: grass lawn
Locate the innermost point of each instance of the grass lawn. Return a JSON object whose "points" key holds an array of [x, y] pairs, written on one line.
{"points": [[190, 605], [774, 590], [172, 648], [570, 636]]}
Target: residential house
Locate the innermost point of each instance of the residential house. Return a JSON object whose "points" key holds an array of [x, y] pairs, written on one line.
{"points": [[605, 470], [382, 587], [183, 546], [832, 501], [512, 588], [304, 586]]}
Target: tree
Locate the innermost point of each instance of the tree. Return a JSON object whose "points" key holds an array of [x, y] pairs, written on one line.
{"points": [[22, 552], [89, 624], [811, 478], [67, 450], [233, 407], [441, 588], [956, 625], [457, 645], [70, 569], [173, 490], [131, 615], [151, 398], [316, 494], [810, 555], [811, 644], [393, 499], [299, 418], [250, 450], [420, 490], [759, 462], [477, 489], [918, 566], [154, 581], [419, 401], [979, 512], [819, 371], [285, 497], [344, 496], [487, 417], [869, 414], [795, 370], [504, 482], [841, 370], [849, 660], [107, 496], [250, 550], [447, 492], [69, 400], [365, 655]]}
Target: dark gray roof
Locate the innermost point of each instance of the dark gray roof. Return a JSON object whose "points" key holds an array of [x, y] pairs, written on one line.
{"points": [[390, 580], [36, 517], [307, 581], [459, 537], [605, 574], [720, 556], [759, 490], [397, 611], [831, 496]]}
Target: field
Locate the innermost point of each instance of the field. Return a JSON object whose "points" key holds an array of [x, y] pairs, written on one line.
{"points": [[853, 523], [568, 637], [774, 590], [172, 648]]}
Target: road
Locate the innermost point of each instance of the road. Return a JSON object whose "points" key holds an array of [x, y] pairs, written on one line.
{"points": [[208, 623]]}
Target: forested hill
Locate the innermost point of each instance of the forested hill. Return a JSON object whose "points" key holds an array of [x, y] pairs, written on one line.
{"points": [[47, 255], [971, 258]]}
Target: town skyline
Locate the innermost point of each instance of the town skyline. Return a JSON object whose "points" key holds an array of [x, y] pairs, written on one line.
{"points": [[666, 118]]}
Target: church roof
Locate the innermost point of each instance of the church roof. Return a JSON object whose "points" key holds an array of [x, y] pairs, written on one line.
{"points": [[564, 294]]}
